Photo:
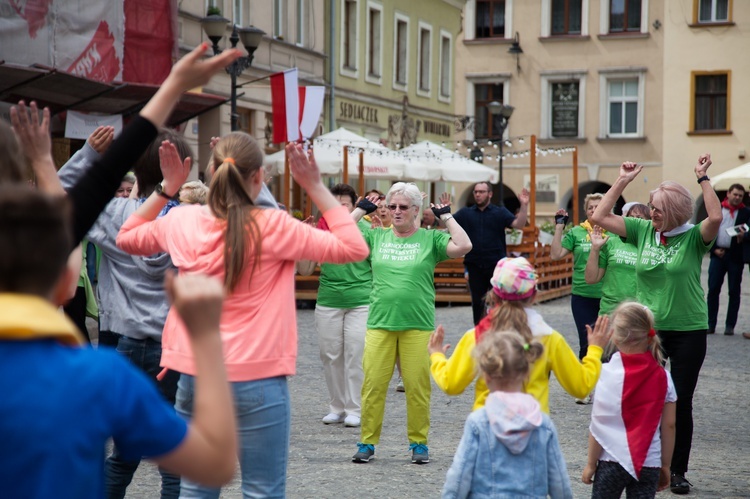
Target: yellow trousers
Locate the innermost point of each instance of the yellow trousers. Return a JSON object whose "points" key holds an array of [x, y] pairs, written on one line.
{"points": [[381, 350]]}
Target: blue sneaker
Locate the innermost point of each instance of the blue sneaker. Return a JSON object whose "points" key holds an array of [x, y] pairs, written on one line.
{"points": [[419, 454], [364, 454]]}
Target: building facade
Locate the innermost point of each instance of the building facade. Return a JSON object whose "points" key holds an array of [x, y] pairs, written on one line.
{"points": [[580, 73], [705, 99], [392, 70]]}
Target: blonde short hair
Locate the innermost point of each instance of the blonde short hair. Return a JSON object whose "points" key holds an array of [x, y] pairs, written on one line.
{"points": [[194, 192], [596, 196], [676, 203]]}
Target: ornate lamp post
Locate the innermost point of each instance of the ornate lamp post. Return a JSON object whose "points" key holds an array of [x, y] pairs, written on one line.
{"points": [[215, 26], [501, 113]]}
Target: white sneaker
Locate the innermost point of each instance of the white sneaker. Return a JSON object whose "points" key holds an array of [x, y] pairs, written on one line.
{"points": [[584, 401], [333, 418], [352, 421]]}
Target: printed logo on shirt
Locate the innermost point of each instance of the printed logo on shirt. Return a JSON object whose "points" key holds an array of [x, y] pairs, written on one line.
{"points": [[625, 257], [403, 252], [657, 255]]}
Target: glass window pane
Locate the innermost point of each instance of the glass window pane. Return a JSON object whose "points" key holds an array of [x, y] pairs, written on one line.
{"points": [[617, 15], [631, 117], [496, 93], [615, 89], [720, 113], [631, 88], [704, 9], [702, 113], [482, 92], [615, 118], [722, 10], [483, 20], [574, 18], [558, 17], [498, 19], [634, 15], [480, 122]]}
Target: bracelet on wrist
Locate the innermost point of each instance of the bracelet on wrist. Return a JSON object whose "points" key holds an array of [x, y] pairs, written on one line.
{"points": [[447, 217], [703, 178]]}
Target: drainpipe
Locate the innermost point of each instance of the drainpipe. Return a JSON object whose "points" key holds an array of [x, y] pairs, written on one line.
{"points": [[331, 65]]}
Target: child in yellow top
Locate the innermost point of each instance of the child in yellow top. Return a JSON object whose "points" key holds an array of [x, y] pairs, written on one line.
{"points": [[512, 294]]}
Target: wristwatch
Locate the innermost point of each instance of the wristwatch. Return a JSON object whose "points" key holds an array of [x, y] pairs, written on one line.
{"points": [[159, 189]]}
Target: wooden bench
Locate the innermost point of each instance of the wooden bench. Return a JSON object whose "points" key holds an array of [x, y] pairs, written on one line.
{"points": [[554, 277]]}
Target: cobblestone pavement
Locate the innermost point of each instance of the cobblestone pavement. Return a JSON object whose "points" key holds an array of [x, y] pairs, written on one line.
{"points": [[320, 456]]}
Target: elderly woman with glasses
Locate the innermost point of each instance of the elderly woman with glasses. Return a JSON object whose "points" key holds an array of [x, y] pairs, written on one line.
{"points": [[402, 314], [668, 271]]}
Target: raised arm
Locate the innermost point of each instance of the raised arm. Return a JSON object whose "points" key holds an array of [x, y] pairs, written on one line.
{"points": [[520, 221], [209, 451], [92, 193], [36, 143], [459, 244], [603, 216], [709, 226], [593, 272], [556, 251]]}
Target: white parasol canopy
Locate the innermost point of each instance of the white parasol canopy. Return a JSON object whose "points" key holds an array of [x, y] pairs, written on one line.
{"points": [[738, 175], [448, 165], [379, 161]]}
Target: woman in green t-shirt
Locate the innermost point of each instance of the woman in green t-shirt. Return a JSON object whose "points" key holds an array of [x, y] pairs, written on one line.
{"points": [[612, 262], [584, 302], [402, 314], [668, 272]]}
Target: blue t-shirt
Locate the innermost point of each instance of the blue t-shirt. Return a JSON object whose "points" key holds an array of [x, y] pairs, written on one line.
{"points": [[486, 230], [58, 407]]}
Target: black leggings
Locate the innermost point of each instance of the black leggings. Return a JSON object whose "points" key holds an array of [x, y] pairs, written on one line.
{"points": [[686, 351], [585, 311], [611, 479]]}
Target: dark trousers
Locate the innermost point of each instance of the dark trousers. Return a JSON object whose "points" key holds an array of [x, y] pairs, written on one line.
{"points": [[585, 311], [686, 351], [718, 267], [108, 339], [611, 480], [146, 355], [479, 284]]}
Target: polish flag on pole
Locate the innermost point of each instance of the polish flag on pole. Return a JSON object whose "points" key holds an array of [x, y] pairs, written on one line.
{"points": [[285, 106], [311, 100]]}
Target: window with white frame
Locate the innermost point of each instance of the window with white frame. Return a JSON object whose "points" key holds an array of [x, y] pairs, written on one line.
{"points": [[565, 17], [373, 44], [425, 58], [490, 19], [713, 11], [563, 105], [301, 23], [622, 103], [278, 18], [624, 16], [401, 52], [446, 47], [349, 35]]}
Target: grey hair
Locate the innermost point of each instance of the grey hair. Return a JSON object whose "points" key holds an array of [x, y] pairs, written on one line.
{"points": [[409, 190]]}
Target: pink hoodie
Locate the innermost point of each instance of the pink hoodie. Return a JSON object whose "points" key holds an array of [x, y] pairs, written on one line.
{"points": [[259, 319]]}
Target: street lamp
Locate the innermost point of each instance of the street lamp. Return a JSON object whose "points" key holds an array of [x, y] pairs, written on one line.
{"points": [[215, 26], [501, 113]]}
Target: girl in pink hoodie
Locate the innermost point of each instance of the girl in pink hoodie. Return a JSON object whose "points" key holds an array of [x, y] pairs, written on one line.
{"points": [[253, 251]]}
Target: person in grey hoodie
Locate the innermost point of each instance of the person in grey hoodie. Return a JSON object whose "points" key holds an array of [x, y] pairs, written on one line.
{"points": [[509, 447]]}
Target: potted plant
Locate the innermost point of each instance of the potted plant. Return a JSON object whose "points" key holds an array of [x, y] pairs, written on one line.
{"points": [[513, 237]]}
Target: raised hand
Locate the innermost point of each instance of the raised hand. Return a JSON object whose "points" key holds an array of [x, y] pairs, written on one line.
{"points": [[212, 143], [435, 345], [198, 300], [704, 161], [598, 240], [101, 138], [32, 134], [303, 166], [629, 170], [445, 199], [375, 222], [524, 197], [194, 71], [601, 333], [174, 170]]}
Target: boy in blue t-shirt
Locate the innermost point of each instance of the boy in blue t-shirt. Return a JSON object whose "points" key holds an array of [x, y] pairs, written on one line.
{"points": [[60, 401]]}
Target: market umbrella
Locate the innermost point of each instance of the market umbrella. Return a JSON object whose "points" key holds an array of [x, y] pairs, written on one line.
{"points": [[448, 165], [739, 175]]}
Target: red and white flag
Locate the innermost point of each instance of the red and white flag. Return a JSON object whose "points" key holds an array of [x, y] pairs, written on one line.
{"points": [[285, 106], [311, 106], [629, 401]]}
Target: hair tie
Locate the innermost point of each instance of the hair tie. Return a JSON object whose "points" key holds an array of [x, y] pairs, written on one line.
{"points": [[651, 333], [526, 346], [229, 160]]}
